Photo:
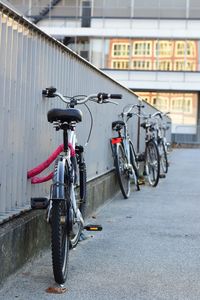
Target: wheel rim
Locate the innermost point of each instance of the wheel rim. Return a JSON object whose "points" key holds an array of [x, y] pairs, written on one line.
{"points": [[134, 163], [152, 164], [163, 158], [124, 171]]}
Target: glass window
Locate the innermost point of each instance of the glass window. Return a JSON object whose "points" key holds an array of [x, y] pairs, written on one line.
{"points": [[191, 48], [121, 49], [142, 48], [141, 65], [182, 106], [180, 48], [164, 48], [120, 64], [160, 102], [165, 55], [164, 65]]}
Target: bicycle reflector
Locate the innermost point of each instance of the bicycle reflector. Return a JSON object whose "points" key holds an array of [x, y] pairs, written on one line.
{"points": [[116, 140], [92, 227]]}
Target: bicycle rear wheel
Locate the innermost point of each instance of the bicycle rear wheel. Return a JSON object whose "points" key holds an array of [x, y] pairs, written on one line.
{"points": [[83, 185], [163, 157], [123, 173], [59, 223], [152, 163], [135, 165]]}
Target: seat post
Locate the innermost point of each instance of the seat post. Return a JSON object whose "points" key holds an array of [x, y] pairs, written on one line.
{"points": [[65, 138]]}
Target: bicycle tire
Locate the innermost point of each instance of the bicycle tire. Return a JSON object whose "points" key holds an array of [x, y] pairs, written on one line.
{"points": [[121, 163], [59, 222], [163, 157], [135, 165], [77, 226], [152, 163], [83, 188]]}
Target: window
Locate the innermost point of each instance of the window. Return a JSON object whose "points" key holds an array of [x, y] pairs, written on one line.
{"points": [[161, 55], [164, 49], [160, 102], [190, 66], [120, 64], [181, 104], [122, 49], [141, 65], [190, 48], [179, 65], [142, 48], [165, 65], [180, 48]]}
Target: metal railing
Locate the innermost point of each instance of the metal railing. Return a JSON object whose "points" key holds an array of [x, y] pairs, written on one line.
{"points": [[31, 60]]}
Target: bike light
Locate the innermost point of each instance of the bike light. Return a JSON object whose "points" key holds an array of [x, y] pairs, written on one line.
{"points": [[116, 140]]}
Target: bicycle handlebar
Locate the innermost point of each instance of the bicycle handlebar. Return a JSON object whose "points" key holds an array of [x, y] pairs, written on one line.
{"points": [[157, 113], [132, 106], [99, 98]]}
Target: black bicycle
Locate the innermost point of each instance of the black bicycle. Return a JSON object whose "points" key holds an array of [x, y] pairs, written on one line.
{"points": [[151, 154], [125, 159], [65, 212], [161, 141]]}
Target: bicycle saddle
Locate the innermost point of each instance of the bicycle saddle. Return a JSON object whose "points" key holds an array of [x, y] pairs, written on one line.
{"points": [[64, 115], [147, 125], [117, 125]]}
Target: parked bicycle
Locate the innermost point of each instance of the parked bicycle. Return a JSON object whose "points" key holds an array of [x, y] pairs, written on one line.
{"points": [[161, 141], [125, 159], [151, 154], [65, 212]]}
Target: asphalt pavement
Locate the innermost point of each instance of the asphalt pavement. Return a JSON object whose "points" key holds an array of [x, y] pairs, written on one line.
{"points": [[149, 248]]}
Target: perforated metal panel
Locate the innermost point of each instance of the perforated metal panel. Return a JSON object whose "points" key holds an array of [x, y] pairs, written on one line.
{"points": [[30, 61]]}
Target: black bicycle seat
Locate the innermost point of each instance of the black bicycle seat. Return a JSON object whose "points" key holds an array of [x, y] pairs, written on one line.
{"points": [[118, 125], [64, 115]]}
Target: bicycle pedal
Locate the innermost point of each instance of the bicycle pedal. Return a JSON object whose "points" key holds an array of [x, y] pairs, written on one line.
{"points": [[162, 176], [39, 203], [92, 227]]}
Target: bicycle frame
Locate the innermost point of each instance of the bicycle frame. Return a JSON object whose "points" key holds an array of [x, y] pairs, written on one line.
{"points": [[66, 157], [125, 140]]}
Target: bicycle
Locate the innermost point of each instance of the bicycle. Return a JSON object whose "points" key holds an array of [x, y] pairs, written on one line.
{"points": [[64, 212], [151, 154], [161, 142], [125, 159]]}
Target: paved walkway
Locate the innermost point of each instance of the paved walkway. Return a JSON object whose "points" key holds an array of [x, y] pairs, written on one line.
{"points": [[149, 248]]}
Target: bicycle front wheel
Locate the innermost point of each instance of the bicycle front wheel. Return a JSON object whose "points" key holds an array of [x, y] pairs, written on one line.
{"points": [[122, 169], [59, 223], [135, 165], [79, 203], [152, 163], [163, 157]]}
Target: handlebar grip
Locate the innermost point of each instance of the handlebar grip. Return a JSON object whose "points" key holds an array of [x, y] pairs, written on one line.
{"points": [[115, 96], [49, 92]]}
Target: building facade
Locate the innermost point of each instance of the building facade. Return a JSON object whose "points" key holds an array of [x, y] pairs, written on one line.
{"points": [[151, 46]]}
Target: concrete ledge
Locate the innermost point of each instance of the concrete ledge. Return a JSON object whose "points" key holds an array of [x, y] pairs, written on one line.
{"points": [[185, 145], [23, 237]]}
